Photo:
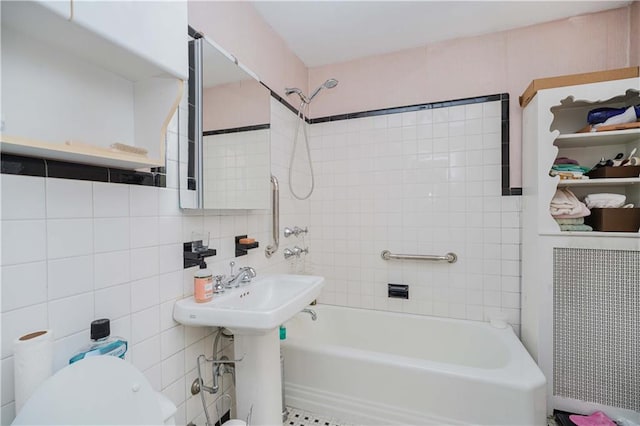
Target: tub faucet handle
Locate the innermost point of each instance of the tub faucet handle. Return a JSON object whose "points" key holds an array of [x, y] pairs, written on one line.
{"points": [[295, 231], [298, 251], [288, 253]]}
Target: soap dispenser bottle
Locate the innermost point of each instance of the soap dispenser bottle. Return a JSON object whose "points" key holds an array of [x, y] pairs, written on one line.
{"points": [[101, 342], [203, 284]]}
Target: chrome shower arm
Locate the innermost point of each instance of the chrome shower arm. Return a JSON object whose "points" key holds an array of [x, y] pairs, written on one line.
{"points": [[291, 90]]}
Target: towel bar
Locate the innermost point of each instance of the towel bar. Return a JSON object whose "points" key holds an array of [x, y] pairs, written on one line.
{"points": [[449, 257]]}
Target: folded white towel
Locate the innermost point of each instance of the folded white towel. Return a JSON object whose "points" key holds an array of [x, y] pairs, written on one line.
{"points": [[565, 203], [604, 200]]}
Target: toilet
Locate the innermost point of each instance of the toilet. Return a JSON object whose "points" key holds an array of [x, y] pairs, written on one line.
{"points": [[99, 390]]}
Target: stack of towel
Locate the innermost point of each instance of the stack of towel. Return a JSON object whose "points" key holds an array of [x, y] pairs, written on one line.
{"points": [[568, 211], [568, 168], [604, 201]]}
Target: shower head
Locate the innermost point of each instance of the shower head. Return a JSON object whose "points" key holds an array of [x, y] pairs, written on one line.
{"points": [[329, 84]]}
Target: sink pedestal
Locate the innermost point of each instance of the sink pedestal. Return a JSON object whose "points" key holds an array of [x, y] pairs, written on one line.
{"points": [[258, 377], [253, 313]]}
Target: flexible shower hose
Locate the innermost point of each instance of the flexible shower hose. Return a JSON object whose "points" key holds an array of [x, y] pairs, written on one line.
{"points": [[301, 110]]}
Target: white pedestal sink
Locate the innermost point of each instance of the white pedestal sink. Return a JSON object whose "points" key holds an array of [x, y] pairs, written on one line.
{"points": [[253, 313]]}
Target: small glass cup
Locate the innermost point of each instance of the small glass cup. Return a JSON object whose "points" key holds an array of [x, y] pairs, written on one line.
{"points": [[199, 241]]}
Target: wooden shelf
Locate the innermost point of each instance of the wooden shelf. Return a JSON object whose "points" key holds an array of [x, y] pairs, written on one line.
{"points": [[82, 154], [600, 182], [596, 234], [616, 137]]}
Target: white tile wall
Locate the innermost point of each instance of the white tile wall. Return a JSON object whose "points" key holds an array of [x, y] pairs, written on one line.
{"points": [[14, 278], [68, 198], [110, 200], [23, 241], [235, 166], [424, 182], [74, 251], [111, 234], [30, 190], [69, 276]]}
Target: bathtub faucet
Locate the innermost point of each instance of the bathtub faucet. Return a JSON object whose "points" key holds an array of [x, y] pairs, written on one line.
{"points": [[311, 312]]}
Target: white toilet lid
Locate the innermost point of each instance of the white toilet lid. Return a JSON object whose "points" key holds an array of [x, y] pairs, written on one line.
{"points": [[97, 390]]}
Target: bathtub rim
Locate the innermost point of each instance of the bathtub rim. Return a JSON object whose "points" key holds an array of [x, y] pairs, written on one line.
{"points": [[519, 362]]}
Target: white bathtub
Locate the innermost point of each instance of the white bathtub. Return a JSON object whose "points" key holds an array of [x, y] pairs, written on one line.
{"points": [[372, 367]]}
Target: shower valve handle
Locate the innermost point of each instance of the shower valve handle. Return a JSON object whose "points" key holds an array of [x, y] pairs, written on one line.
{"points": [[295, 231]]}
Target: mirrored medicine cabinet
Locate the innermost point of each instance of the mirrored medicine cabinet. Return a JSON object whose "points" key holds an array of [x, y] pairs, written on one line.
{"points": [[228, 164]]}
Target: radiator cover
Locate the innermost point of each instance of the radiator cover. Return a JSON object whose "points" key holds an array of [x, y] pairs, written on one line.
{"points": [[596, 326]]}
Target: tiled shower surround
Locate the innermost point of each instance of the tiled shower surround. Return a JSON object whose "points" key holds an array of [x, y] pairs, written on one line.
{"points": [[420, 182]]}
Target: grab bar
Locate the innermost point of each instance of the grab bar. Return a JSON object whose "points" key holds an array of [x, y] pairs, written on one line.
{"points": [[275, 213], [449, 257]]}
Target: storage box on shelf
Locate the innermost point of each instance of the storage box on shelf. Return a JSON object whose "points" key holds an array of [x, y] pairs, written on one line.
{"points": [[80, 77], [614, 220]]}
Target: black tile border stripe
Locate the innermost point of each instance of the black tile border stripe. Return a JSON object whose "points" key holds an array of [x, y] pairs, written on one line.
{"points": [[64, 170], [26, 166], [507, 190], [41, 167], [236, 129], [284, 102], [409, 108]]}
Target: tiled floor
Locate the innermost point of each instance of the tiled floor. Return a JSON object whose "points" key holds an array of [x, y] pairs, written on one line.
{"points": [[299, 417]]}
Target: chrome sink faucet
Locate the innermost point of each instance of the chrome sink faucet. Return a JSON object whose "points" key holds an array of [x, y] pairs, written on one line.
{"points": [[244, 276]]}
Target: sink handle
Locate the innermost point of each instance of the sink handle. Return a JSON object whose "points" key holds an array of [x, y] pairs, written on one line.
{"points": [[218, 287], [250, 273]]}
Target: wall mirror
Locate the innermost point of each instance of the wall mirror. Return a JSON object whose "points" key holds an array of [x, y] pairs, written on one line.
{"points": [[228, 164]]}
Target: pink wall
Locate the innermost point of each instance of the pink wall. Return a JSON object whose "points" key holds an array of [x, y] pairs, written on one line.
{"points": [[634, 34], [220, 105], [237, 27], [493, 63]]}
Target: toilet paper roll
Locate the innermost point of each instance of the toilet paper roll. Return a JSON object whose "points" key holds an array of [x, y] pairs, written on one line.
{"points": [[32, 364]]}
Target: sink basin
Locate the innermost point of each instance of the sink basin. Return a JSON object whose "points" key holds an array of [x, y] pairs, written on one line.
{"points": [[253, 313], [264, 304]]}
